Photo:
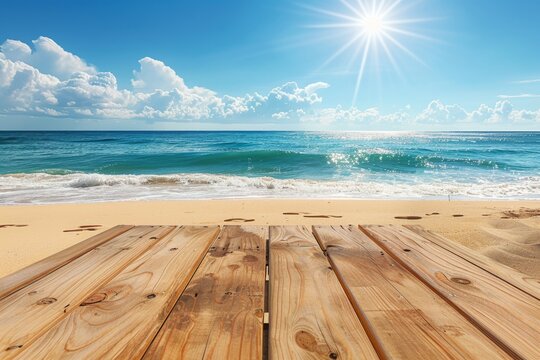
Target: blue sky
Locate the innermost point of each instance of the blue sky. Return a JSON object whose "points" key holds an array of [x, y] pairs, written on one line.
{"points": [[263, 65]]}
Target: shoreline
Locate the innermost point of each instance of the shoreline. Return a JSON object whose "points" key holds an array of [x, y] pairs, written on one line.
{"points": [[79, 187], [503, 230]]}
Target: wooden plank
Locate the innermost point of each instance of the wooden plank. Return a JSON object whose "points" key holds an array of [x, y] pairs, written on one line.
{"points": [[11, 283], [120, 320], [521, 281], [28, 313], [310, 314], [506, 314], [408, 319], [220, 314]]}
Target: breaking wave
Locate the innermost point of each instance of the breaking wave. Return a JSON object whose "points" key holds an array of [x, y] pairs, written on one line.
{"points": [[93, 187]]}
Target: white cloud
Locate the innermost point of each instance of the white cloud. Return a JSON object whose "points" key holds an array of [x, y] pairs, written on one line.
{"points": [[290, 94], [48, 57], [439, 113], [501, 112], [24, 88], [15, 50], [155, 75], [52, 82], [519, 96], [530, 81], [280, 115]]}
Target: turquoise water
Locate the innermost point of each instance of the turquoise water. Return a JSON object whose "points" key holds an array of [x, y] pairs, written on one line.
{"points": [[96, 166]]}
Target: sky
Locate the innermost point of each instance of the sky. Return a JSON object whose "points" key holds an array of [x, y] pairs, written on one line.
{"points": [[277, 65]]}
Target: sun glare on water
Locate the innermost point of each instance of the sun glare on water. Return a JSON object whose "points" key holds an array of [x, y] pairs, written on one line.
{"points": [[372, 26]]}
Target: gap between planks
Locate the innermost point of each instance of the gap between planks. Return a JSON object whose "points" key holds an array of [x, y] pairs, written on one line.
{"points": [[399, 311], [504, 313]]}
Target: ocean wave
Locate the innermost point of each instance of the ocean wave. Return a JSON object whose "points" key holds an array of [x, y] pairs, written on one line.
{"points": [[84, 187]]}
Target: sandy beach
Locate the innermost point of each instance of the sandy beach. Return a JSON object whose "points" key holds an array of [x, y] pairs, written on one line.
{"points": [[506, 231]]}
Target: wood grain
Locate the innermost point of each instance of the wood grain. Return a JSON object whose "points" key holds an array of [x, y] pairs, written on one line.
{"points": [[310, 314], [11, 283], [30, 312], [521, 281], [509, 316], [120, 320], [406, 317], [220, 314]]}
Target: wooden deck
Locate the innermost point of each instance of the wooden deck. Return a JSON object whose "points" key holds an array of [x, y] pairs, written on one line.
{"points": [[279, 292]]}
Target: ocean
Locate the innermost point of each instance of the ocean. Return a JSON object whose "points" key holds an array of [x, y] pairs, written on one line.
{"points": [[53, 167]]}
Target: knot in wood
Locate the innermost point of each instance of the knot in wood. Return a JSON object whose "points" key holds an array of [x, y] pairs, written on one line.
{"points": [[461, 281], [13, 347], [46, 301], [94, 299]]}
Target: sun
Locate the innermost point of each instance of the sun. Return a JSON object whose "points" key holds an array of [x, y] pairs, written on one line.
{"points": [[376, 26], [372, 25]]}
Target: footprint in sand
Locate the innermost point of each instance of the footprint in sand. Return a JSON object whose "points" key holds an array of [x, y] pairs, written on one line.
{"points": [[78, 230], [239, 220], [12, 225], [323, 216], [412, 217], [84, 228]]}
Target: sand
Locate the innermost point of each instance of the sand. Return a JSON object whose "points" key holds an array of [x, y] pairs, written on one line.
{"points": [[505, 231]]}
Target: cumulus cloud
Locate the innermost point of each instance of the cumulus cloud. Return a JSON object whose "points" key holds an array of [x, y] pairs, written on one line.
{"points": [[50, 80], [15, 50], [501, 112], [155, 75], [24, 88], [290, 94], [45, 79], [437, 112], [48, 57]]}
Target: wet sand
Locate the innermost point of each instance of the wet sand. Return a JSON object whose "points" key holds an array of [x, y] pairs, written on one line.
{"points": [[505, 231]]}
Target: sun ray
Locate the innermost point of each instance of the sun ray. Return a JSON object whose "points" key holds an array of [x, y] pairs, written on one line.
{"points": [[404, 48], [332, 13], [410, 21], [333, 26], [390, 8], [350, 7], [376, 27], [380, 7], [363, 9], [409, 33], [390, 57], [361, 70], [341, 50], [354, 56]]}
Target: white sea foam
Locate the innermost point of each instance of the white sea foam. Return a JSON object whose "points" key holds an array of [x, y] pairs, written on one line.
{"points": [[79, 187]]}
